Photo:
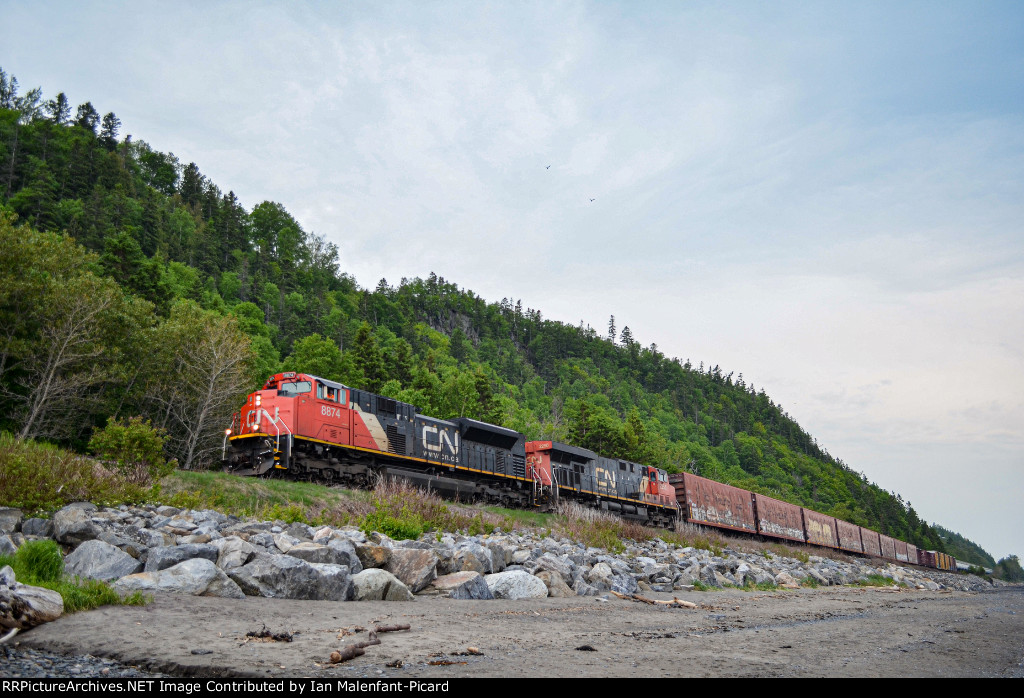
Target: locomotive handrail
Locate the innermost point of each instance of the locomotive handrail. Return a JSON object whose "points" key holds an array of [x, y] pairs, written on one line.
{"points": [[275, 421]]}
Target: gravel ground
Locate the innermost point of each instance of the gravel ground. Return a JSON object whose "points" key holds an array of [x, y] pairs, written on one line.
{"points": [[838, 631], [27, 663]]}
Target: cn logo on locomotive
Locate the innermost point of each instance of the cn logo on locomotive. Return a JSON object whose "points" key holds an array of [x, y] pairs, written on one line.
{"points": [[441, 439]]}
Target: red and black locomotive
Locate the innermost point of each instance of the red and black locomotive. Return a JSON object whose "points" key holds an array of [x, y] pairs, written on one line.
{"points": [[305, 427]]}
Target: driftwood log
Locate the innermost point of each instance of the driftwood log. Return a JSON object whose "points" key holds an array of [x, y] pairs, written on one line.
{"points": [[674, 603]]}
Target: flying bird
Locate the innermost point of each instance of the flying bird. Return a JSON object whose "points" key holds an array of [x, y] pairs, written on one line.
{"points": [[548, 167], [593, 199]]}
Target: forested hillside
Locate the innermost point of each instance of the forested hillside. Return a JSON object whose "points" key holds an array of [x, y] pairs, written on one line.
{"points": [[130, 285]]}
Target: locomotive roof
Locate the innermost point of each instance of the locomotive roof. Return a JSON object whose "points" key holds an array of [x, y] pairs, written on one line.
{"points": [[585, 453], [485, 426], [328, 383]]}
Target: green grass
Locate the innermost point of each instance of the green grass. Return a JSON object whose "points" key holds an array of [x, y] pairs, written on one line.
{"points": [[267, 499], [877, 580], [810, 582], [39, 563]]}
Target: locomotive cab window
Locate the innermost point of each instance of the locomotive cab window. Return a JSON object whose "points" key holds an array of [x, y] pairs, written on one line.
{"points": [[294, 388]]}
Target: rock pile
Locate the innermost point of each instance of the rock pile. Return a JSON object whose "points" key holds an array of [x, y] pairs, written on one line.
{"points": [[208, 553]]}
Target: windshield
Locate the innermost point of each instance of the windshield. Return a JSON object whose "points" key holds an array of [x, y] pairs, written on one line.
{"points": [[288, 389]]}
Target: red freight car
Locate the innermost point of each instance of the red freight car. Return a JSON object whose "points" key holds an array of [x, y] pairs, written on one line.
{"points": [[872, 544], [713, 503], [820, 529], [888, 547], [911, 553], [778, 519], [901, 550], [849, 536]]}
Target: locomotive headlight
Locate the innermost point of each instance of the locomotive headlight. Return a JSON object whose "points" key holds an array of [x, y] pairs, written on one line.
{"points": [[227, 432], [259, 400]]}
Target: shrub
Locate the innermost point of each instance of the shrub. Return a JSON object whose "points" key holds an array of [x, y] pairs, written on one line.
{"points": [[39, 477], [403, 527], [135, 447]]}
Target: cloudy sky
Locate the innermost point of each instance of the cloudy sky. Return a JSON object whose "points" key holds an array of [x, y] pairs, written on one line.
{"points": [[826, 197]]}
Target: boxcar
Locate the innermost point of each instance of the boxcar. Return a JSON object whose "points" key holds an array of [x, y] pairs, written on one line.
{"points": [[778, 519], [901, 550], [820, 529], [872, 544], [888, 547], [849, 536], [713, 503]]}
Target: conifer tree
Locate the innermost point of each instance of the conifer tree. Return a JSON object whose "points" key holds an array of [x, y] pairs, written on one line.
{"points": [[87, 117], [59, 109], [108, 132]]}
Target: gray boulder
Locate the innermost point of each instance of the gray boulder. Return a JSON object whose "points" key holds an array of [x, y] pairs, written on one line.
{"points": [[129, 546], [372, 556], [285, 542], [73, 524], [43, 528], [520, 556], [601, 576], [417, 544], [263, 539], [233, 552], [345, 552], [314, 552], [283, 577], [710, 576], [581, 588], [335, 582], [817, 575], [551, 563], [23, 606], [415, 568], [196, 576], [462, 585], [516, 585], [472, 557], [162, 558], [9, 519], [501, 554], [300, 530], [379, 585], [557, 588], [98, 560], [624, 584]]}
